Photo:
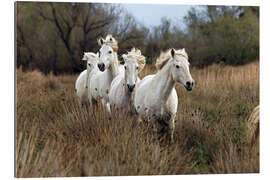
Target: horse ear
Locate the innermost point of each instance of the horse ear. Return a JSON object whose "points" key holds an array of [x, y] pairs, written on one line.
{"points": [[184, 50], [172, 52], [84, 57], [100, 41]]}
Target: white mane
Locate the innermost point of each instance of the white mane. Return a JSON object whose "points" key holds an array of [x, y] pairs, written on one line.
{"points": [[166, 56], [139, 57]]}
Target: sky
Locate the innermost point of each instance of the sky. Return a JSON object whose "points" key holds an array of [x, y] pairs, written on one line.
{"points": [[151, 14]]}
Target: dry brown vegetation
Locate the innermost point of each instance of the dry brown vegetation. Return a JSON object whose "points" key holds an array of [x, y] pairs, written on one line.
{"points": [[55, 137]]}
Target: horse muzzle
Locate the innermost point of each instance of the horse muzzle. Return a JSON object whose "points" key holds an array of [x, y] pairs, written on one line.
{"points": [[189, 85], [130, 87], [101, 67]]}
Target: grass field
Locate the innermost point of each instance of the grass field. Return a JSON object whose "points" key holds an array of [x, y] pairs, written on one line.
{"points": [[55, 137]]}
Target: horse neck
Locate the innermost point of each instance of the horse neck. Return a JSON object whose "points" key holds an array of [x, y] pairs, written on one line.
{"points": [[93, 71], [114, 68], [163, 82]]}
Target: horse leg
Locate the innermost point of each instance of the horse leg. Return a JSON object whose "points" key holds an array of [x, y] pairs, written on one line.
{"points": [[108, 107], [103, 102], [165, 128], [139, 119], [94, 104], [80, 102], [172, 127]]}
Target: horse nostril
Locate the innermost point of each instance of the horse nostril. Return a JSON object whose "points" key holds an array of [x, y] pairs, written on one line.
{"points": [[130, 87], [188, 84], [101, 66]]}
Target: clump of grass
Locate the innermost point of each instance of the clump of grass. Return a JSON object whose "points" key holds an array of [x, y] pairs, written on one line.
{"points": [[55, 137], [232, 159]]}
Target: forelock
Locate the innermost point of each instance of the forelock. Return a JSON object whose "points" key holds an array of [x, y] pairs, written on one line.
{"points": [[111, 41], [181, 52], [135, 55], [106, 47]]}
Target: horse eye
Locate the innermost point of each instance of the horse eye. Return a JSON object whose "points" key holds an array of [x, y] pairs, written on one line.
{"points": [[125, 67], [177, 66], [110, 52], [137, 67], [89, 65]]}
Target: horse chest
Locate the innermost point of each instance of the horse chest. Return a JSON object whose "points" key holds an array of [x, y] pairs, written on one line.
{"points": [[124, 98]]}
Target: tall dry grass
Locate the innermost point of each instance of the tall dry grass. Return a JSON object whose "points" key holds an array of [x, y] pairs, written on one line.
{"points": [[57, 137]]}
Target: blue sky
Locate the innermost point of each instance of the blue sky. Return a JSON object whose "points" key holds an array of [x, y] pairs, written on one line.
{"points": [[151, 14]]}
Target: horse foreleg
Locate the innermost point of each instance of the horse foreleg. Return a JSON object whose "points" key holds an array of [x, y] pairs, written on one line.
{"points": [[108, 108], [80, 103], [165, 127], [172, 126], [106, 105], [94, 104]]}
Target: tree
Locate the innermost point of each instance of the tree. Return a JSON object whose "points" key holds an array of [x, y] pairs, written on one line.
{"points": [[223, 33], [53, 36]]}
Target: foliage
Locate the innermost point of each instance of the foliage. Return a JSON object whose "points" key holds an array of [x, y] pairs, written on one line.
{"points": [[53, 36], [221, 34]]}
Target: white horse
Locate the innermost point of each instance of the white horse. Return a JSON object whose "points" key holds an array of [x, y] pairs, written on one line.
{"points": [[101, 81], [120, 95], [156, 98], [81, 85]]}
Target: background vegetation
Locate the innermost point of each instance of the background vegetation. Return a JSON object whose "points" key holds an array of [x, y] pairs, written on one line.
{"points": [[53, 36], [55, 137]]}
